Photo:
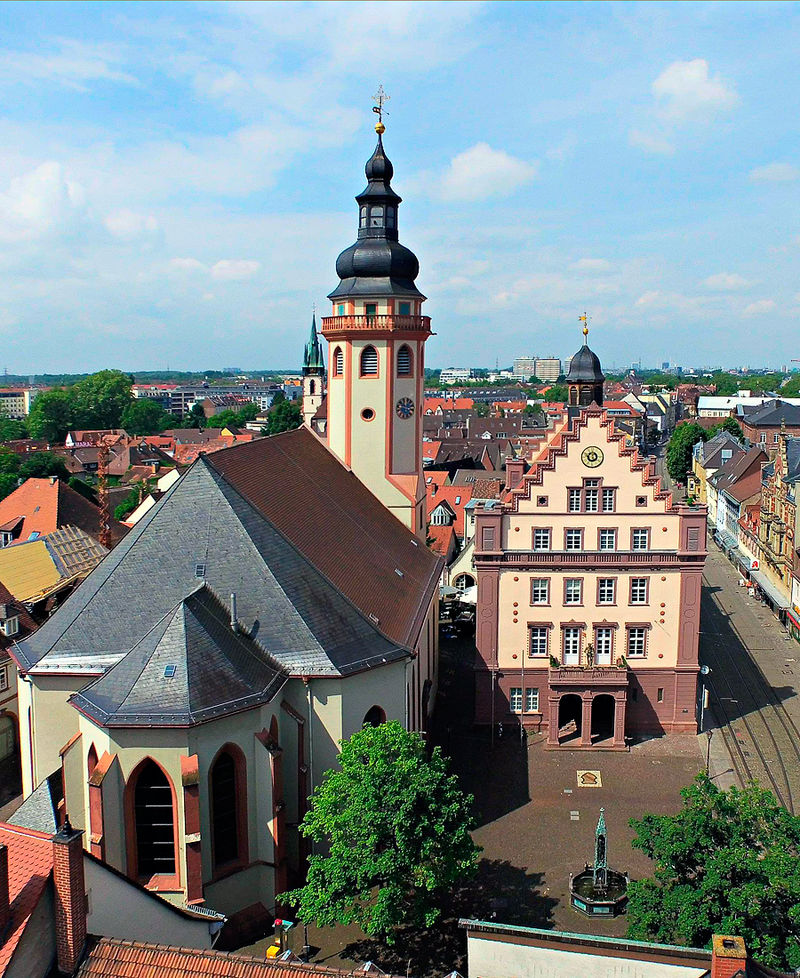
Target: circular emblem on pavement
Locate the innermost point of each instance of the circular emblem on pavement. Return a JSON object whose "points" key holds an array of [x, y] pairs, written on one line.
{"points": [[404, 407], [592, 456]]}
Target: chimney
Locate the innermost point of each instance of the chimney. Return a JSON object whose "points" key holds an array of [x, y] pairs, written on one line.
{"points": [[234, 616], [70, 892], [515, 469], [5, 900], [728, 956]]}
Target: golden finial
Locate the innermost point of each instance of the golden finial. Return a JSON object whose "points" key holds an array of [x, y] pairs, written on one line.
{"points": [[585, 320], [381, 98]]}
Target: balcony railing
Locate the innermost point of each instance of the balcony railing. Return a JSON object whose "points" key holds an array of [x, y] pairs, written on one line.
{"points": [[580, 676], [595, 558], [402, 324]]}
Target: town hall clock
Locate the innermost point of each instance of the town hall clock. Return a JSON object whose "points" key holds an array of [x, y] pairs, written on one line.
{"points": [[592, 456], [404, 407]]}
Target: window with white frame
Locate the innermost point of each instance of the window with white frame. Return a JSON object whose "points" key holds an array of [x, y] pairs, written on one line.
{"points": [[603, 645], [609, 500], [540, 590], [574, 500], [3, 677], [606, 590], [637, 640], [532, 699], [639, 590], [573, 539], [572, 646], [640, 539], [10, 626], [591, 495], [515, 699], [606, 539], [541, 539], [573, 590], [537, 640]]}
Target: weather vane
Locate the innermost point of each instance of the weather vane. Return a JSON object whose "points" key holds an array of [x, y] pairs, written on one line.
{"points": [[585, 320], [380, 98]]}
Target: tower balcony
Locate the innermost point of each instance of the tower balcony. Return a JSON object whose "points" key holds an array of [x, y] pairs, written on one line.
{"points": [[344, 326]]}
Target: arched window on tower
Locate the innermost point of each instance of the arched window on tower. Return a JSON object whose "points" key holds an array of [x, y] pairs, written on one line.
{"points": [[312, 387], [363, 217], [91, 760], [338, 362], [369, 362], [151, 808], [404, 362], [228, 790]]}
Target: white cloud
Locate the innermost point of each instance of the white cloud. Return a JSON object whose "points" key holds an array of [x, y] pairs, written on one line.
{"points": [[127, 225], [186, 265], [649, 298], [234, 270], [481, 172], [686, 92], [651, 142], [591, 265], [726, 282], [39, 203], [759, 308], [775, 173], [75, 64]]}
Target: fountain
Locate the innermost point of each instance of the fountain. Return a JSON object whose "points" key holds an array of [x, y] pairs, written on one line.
{"points": [[599, 891]]}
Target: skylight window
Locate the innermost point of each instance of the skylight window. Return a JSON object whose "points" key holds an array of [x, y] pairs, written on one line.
{"points": [[169, 671], [200, 570]]}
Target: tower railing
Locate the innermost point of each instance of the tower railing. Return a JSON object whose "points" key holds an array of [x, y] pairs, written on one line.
{"points": [[377, 323]]}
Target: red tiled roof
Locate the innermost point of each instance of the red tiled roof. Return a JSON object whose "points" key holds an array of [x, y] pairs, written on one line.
{"points": [[449, 495], [112, 958], [336, 523], [445, 403], [430, 449], [441, 539], [30, 863]]}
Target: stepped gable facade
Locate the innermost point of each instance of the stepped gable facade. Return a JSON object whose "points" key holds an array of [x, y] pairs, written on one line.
{"points": [[588, 606]]}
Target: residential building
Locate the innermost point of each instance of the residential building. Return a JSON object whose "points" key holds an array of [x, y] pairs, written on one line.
{"points": [[455, 375], [605, 569], [496, 950], [524, 367], [15, 622], [15, 402], [548, 369], [215, 404], [763, 426], [707, 457], [733, 487], [777, 519]]}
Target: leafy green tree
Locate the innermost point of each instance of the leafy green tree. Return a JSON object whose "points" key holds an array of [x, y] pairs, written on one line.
{"points": [[100, 400], [11, 428], [83, 488], [396, 829], [143, 416], [196, 417], [128, 504], [558, 393], [729, 424], [679, 449], [481, 409], [727, 863], [9, 462], [283, 417], [8, 483], [51, 415], [41, 465]]}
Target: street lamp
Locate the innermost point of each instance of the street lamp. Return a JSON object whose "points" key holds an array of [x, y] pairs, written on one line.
{"points": [[709, 735], [704, 671]]}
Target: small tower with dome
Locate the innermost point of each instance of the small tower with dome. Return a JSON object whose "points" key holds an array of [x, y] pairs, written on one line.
{"points": [[585, 378], [313, 374]]}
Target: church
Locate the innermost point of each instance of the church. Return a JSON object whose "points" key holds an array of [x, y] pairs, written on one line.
{"points": [[193, 690]]}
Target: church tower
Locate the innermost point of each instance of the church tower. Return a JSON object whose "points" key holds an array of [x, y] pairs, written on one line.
{"points": [[376, 338], [313, 375], [585, 378]]}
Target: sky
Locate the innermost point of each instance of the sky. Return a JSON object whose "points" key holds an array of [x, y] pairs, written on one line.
{"points": [[177, 179]]}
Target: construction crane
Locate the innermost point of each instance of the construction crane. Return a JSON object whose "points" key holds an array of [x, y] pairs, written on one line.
{"points": [[102, 492]]}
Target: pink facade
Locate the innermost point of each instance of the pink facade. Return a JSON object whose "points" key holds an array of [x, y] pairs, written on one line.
{"points": [[589, 580]]}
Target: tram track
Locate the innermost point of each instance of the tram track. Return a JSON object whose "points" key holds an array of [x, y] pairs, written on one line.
{"points": [[746, 703]]}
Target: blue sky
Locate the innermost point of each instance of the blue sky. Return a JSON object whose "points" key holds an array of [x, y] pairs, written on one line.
{"points": [[176, 180]]}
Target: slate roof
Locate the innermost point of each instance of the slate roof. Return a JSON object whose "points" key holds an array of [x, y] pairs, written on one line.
{"points": [[740, 476], [39, 811], [311, 554], [190, 667], [792, 473]]}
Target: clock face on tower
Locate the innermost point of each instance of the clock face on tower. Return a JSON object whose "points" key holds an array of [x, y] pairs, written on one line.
{"points": [[592, 457], [404, 408]]}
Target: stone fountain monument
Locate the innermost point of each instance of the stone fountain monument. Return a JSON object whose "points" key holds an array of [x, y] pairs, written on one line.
{"points": [[599, 891]]}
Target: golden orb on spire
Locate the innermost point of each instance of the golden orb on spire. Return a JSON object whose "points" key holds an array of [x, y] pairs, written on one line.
{"points": [[380, 128], [585, 330], [380, 98]]}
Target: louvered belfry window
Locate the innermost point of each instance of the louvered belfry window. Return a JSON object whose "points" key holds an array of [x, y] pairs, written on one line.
{"points": [[403, 362], [155, 828], [338, 362], [224, 814], [369, 362]]}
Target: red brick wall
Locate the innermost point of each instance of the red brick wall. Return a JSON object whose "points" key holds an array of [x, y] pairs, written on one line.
{"points": [[70, 897]]}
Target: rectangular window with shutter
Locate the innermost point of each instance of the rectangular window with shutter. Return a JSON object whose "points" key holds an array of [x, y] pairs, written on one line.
{"points": [[487, 538]]}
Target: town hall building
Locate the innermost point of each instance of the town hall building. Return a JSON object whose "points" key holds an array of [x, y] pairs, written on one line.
{"points": [[194, 689]]}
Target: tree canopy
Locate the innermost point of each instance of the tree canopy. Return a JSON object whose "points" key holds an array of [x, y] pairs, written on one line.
{"points": [[144, 416], [396, 829], [15, 469], [97, 401], [679, 449], [728, 862], [283, 416]]}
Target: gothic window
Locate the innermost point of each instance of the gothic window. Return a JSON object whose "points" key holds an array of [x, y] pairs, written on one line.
{"points": [[375, 717], [228, 793], [404, 362], [369, 362], [338, 362], [91, 760], [312, 387], [153, 822]]}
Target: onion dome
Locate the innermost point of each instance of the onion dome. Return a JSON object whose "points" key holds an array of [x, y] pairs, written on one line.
{"points": [[377, 264], [584, 368]]}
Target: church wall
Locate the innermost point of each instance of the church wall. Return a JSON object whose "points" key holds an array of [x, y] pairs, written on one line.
{"points": [[54, 722]]}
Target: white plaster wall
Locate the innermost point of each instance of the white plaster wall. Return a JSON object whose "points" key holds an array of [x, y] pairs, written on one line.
{"points": [[54, 721]]}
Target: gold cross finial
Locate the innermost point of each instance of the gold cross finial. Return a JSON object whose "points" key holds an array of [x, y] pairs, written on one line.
{"points": [[585, 320], [380, 98]]}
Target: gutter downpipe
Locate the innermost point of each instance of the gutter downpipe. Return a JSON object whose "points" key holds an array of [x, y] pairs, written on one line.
{"points": [[310, 702]]}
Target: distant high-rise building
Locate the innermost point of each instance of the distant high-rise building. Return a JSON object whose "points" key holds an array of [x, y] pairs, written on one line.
{"points": [[524, 367], [548, 368], [455, 375]]}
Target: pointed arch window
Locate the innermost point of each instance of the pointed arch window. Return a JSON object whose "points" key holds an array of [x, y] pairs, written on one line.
{"points": [[405, 362], [228, 793], [312, 387], [338, 362], [369, 362], [91, 760], [150, 809]]}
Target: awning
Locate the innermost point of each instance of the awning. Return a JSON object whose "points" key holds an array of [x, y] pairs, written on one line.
{"points": [[727, 541], [793, 617], [742, 559], [771, 591]]}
